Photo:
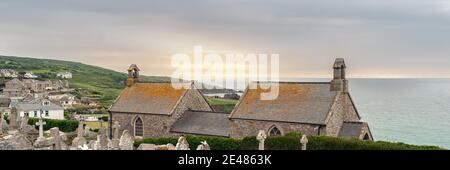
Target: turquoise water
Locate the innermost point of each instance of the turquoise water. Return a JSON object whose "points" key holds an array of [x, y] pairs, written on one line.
{"points": [[415, 111]]}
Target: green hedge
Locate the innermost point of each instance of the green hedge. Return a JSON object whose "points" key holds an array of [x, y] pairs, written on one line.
{"points": [[290, 141], [63, 125]]}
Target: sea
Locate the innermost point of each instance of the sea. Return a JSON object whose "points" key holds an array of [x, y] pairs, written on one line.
{"points": [[413, 111]]}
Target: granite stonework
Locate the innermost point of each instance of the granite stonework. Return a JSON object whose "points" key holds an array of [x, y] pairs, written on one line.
{"points": [[158, 125], [241, 128]]}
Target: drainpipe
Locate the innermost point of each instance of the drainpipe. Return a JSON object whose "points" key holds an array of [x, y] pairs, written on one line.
{"points": [[110, 124]]}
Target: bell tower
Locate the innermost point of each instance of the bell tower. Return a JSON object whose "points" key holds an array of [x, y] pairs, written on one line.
{"points": [[339, 82], [133, 75]]}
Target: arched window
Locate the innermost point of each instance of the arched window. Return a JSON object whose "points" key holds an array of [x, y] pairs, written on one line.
{"points": [[274, 131], [138, 127]]}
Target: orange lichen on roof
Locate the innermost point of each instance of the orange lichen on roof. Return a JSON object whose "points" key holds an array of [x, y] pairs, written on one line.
{"points": [[157, 98], [153, 90], [298, 102]]}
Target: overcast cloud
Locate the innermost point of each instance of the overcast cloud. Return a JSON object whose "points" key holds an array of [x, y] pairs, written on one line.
{"points": [[377, 38]]}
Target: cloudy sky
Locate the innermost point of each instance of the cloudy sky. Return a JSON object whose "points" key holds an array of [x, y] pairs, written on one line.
{"points": [[378, 38]]}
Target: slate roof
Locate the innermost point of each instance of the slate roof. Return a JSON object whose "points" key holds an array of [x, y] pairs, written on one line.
{"points": [[351, 129], [203, 123], [152, 98], [37, 105], [299, 102], [4, 102]]}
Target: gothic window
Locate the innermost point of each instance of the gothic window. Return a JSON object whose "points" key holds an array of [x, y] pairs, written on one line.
{"points": [[274, 131], [138, 127]]}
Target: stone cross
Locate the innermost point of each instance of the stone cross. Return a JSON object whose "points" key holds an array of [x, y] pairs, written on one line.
{"points": [[41, 129], [126, 141], [304, 141], [182, 144], [261, 138]]}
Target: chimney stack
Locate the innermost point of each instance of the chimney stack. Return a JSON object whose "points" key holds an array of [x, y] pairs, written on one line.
{"points": [[339, 82]]}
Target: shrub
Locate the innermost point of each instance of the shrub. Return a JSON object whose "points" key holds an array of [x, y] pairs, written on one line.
{"points": [[290, 141], [63, 125]]}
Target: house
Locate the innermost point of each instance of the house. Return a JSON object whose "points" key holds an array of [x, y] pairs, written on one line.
{"points": [[318, 108], [10, 73], [64, 75], [17, 88], [65, 100], [40, 107], [30, 75]]}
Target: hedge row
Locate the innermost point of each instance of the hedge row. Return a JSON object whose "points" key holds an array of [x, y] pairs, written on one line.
{"points": [[63, 125], [290, 141]]}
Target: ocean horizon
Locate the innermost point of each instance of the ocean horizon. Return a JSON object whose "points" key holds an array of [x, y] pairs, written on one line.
{"points": [[408, 110]]}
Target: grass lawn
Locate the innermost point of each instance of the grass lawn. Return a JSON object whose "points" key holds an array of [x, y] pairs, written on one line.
{"points": [[96, 125], [222, 105]]}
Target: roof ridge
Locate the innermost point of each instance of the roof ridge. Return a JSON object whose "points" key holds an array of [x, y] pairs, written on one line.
{"points": [[203, 111], [291, 82]]}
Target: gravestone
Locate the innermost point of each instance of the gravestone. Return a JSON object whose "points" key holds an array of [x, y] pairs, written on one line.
{"points": [[126, 141], [13, 124], [55, 138], [182, 144], [261, 138], [5, 126], [304, 142], [170, 146], [116, 138], [91, 145], [23, 122], [203, 146], [145, 146], [1, 122], [102, 140], [79, 140]]}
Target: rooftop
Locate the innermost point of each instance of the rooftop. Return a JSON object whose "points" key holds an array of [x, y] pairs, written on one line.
{"points": [[203, 123], [152, 98], [299, 102]]}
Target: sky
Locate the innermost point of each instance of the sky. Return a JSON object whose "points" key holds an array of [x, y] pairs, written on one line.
{"points": [[378, 38]]}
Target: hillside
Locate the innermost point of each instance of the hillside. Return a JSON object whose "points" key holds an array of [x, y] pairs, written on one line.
{"points": [[100, 83]]}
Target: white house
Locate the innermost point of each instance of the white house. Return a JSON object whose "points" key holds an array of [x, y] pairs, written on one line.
{"points": [[30, 75], [43, 107], [65, 100], [64, 75], [8, 73]]}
